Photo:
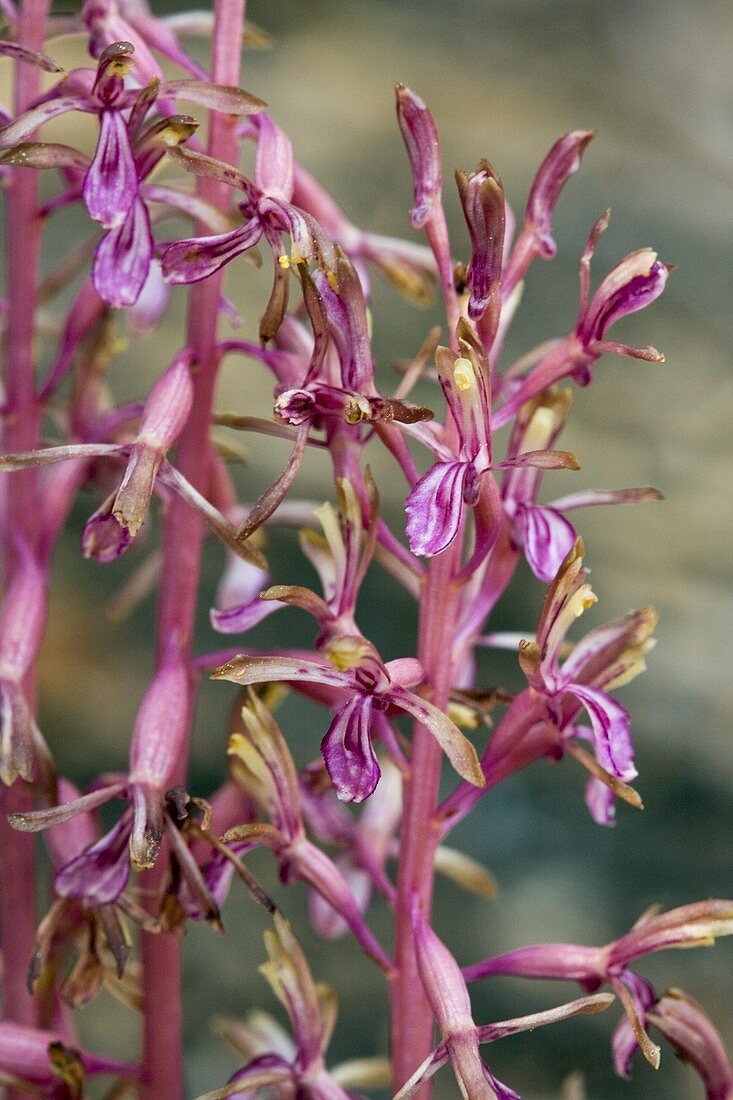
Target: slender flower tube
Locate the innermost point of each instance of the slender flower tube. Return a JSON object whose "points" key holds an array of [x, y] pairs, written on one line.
{"points": [[448, 996], [693, 925]]}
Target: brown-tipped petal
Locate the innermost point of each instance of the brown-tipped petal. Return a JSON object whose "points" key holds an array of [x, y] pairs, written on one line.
{"points": [[216, 97], [583, 1006], [20, 53], [456, 747], [37, 154], [218, 523], [649, 1049], [263, 508], [48, 455], [201, 165], [617, 786]]}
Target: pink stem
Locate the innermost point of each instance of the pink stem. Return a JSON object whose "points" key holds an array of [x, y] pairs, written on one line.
{"points": [[21, 515], [412, 1018], [182, 540]]}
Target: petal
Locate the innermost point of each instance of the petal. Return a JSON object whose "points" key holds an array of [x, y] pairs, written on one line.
{"points": [[37, 154], [435, 508], [611, 736], [348, 751], [190, 260], [20, 53], [636, 995], [559, 164], [266, 670], [236, 620], [601, 802], [456, 747], [99, 875], [548, 539], [690, 1031], [23, 127], [216, 97], [633, 284], [103, 537], [110, 185], [122, 259]]}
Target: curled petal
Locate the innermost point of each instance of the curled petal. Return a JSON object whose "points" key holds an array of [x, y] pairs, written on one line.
{"points": [[99, 875], [190, 260], [482, 198], [123, 257], [611, 736], [348, 751], [559, 164], [633, 284], [547, 537], [601, 802], [236, 620], [110, 185], [435, 507], [103, 537]]}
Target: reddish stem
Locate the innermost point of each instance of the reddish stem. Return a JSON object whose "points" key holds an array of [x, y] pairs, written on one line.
{"points": [[20, 515], [182, 539], [412, 1017]]}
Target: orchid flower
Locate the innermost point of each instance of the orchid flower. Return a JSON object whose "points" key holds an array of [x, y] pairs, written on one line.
{"points": [[126, 153], [368, 685], [262, 764], [288, 1068], [436, 506], [98, 875], [568, 597], [446, 990], [693, 925], [95, 932]]}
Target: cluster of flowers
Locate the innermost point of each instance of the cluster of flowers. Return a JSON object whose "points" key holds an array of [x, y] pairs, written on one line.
{"points": [[472, 516]]}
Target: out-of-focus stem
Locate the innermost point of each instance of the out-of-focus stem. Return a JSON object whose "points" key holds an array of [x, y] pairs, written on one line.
{"points": [[182, 539], [20, 513]]}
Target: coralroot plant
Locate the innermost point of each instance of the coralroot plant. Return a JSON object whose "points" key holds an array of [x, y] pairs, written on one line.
{"points": [[409, 745]]}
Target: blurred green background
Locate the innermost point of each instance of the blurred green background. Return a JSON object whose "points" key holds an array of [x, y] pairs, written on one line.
{"points": [[504, 80]]}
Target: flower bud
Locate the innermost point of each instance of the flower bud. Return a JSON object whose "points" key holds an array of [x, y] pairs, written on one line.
{"points": [[163, 419], [423, 148], [559, 164], [482, 199]]}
